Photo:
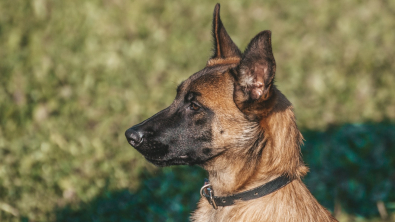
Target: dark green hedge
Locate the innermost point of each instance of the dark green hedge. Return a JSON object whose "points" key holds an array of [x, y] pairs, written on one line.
{"points": [[353, 163], [170, 194]]}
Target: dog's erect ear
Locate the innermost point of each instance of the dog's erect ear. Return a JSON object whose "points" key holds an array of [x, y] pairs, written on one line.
{"points": [[256, 71], [224, 47]]}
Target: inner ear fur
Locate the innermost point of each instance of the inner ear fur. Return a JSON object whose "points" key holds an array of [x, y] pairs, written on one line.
{"points": [[257, 68], [255, 74]]}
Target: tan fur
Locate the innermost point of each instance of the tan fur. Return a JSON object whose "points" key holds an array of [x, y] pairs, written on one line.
{"points": [[233, 172], [221, 61]]}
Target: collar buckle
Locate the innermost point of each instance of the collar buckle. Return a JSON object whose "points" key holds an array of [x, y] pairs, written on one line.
{"points": [[208, 192]]}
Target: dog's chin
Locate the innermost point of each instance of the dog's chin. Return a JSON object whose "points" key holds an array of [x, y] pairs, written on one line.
{"points": [[172, 162], [180, 160]]}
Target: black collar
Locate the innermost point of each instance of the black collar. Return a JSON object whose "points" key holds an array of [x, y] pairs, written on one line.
{"points": [[208, 192]]}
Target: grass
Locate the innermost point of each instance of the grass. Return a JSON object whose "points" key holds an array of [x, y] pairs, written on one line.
{"points": [[74, 75]]}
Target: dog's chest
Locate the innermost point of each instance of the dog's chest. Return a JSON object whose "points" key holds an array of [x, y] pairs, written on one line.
{"points": [[206, 213]]}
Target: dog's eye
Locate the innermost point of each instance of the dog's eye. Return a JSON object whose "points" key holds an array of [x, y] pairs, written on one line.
{"points": [[194, 107]]}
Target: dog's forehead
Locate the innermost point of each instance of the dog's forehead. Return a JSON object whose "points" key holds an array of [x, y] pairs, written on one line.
{"points": [[203, 78], [213, 87]]}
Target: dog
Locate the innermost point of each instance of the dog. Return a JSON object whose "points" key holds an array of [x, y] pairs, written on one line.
{"points": [[230, 119]]}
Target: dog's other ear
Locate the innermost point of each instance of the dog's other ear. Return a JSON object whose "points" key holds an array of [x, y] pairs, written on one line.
{"points": [[255, 74], [224, 47]]}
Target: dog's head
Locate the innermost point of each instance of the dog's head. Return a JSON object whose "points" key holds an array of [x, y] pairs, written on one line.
{"points": [[216, 109]]}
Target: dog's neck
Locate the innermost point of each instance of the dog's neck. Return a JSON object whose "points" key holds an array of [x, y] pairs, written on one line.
{"points": [[275, 153]]}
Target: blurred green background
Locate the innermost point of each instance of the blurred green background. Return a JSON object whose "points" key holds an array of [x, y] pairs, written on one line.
{"points": [[75, 74]]}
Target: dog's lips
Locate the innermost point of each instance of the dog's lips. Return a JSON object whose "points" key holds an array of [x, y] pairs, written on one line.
{"points": [[181, 160]]}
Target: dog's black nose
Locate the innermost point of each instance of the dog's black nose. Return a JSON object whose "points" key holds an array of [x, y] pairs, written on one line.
{"points": [[134, 136]]}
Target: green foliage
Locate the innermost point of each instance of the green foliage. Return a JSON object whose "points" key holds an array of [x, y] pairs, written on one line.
{"points": [[74, 75], [353, 163], [170, 194]]}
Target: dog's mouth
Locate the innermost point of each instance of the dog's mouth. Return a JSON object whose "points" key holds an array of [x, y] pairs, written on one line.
{"points": [[181, 160]]}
